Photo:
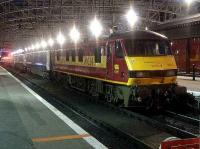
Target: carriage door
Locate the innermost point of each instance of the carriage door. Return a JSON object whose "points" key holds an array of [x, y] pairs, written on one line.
{"points": [[110, 50]]}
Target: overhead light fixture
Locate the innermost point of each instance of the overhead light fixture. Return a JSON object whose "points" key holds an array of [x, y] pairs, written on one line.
{"points": [[96, 27], [189, 2], [60, 38], [74, 34], [37, 45], [131, 17], [50, 42], [32, 47], [43, 43]]}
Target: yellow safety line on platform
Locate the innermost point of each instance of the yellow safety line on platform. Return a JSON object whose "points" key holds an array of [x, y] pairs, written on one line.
{"points": [[60, 138]]}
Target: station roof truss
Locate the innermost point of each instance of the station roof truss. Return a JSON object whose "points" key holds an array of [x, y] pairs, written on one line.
{"points": [[25, 20]]}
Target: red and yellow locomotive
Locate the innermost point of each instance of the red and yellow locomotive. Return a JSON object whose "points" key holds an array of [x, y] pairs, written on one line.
{"points": [[135, 68], [128, 69]]}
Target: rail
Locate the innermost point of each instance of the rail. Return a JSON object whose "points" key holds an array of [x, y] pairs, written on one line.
{"points": [[188, 119]]}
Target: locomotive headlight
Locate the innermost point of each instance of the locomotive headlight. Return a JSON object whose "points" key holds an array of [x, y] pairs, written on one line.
{"points": [[142, 74], [170, 73], [139, 74]]}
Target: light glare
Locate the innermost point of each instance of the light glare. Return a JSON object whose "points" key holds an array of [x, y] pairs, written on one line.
{"points": [[74, 34], [60, 38], [19, 51], [43, 44], [131, 17], [37, 45], [50, 42], [96, 27], [188, 2], [32, 47]]}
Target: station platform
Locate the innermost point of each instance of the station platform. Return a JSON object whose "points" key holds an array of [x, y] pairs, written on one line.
{"points": [[192, 86], [27, 121], [189, 83]]}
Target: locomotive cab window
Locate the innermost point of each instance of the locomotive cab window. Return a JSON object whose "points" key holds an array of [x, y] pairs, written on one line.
{"points": [[118, 50], [147, 48], [80, 55], [97, 54]]}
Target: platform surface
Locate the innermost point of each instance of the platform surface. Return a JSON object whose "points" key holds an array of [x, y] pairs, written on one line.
{"points": [[189, 83], [27, 121]]}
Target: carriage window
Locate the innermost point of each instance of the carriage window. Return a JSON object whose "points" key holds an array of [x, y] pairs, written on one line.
{"points": [[73, 55], [97, 54], [58, 54], [67, 55], [118, 50], [80, 55]]}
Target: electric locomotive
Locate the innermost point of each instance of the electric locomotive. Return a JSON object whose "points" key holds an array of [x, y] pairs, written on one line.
{"points": [[134, 68]]}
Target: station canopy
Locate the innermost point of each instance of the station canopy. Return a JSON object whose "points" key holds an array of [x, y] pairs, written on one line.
{"points": [[24, 21]]}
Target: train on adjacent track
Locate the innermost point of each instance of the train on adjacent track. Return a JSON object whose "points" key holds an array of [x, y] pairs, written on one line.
{"points": [[134, 68], [185, 36]]}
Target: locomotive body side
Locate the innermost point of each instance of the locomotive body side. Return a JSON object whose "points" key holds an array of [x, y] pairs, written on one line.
{"points": [[116, 70], [81, 60]]}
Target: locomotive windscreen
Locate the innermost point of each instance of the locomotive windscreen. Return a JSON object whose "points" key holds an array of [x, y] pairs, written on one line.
{"points": [[147, 47]]}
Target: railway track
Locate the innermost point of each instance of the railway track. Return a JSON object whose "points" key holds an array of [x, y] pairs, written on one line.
{"points": [[128, 140], [124, 139], [187, 122], [195, 120]]}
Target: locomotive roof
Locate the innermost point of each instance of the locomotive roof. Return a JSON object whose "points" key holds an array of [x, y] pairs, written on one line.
{"points": [[139, 34]]}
